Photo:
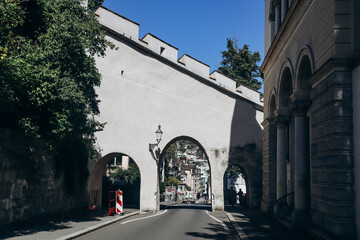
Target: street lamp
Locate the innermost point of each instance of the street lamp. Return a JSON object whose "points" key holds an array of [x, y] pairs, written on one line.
{"points": [[158, 133]]}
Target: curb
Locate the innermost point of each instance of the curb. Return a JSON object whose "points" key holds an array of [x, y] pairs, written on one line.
{"points": [[95, 227], [240, 231]]}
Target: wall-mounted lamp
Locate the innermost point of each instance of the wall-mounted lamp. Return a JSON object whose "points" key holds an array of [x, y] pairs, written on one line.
{"points": [[158, 133]]}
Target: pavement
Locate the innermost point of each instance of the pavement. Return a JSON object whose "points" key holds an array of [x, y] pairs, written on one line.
{"points": [[250, 224], [64, 228]]}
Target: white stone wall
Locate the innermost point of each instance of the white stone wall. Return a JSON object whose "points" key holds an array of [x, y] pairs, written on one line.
{"points": [[356, 125], [141, 89]]}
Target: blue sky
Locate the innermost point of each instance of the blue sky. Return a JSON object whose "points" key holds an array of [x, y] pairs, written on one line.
{"points": [[198, 28]]}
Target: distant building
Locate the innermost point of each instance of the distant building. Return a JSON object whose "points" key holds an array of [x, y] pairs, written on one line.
{"points": [[121, 161]]}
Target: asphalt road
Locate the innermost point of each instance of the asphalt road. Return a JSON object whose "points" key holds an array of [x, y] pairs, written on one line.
{"points": [[183, 221]]}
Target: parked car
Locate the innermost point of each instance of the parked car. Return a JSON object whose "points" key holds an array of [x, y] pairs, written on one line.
{"points": [[189, 199]]}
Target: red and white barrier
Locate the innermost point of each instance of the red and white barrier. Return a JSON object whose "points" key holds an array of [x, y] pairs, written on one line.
{"points": [[119, 202]]}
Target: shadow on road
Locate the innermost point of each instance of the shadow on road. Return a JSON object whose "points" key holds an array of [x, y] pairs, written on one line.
{"points": [[187, 206], [218, 233], [258, 226]]}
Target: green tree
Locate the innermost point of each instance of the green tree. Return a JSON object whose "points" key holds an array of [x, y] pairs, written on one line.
{"points": [[170, 152], [235, 171], [240, 64], [173, 181], [130, 175], [48, 75]]}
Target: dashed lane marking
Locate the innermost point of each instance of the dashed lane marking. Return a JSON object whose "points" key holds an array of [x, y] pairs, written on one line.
{"points": [[221, 222]]}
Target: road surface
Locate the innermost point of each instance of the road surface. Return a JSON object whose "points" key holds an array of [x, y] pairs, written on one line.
{"points": [[182, 222]]}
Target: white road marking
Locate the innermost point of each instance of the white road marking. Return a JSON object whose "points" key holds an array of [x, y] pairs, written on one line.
{"points": [[133, 220], [240, 231], [223, 224]]}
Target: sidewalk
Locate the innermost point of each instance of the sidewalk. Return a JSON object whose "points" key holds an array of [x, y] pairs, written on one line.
{"points": [[251, 224], [62, 229]]}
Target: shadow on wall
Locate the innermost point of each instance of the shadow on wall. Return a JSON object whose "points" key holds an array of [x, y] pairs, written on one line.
{"points": [[246, 148]]}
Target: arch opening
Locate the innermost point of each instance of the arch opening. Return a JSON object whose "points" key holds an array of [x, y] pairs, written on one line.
{"points": [[114, 171], [304, 75], [272, 107], [122, 173], [235, 186], [184, 172], [286, 89]]}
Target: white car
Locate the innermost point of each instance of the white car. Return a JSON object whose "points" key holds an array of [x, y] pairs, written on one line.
{"points": [[189, 199]]}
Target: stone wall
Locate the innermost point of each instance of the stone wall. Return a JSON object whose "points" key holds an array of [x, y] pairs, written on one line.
{"points": [[30, 187], [269, 168], [332, 154]]}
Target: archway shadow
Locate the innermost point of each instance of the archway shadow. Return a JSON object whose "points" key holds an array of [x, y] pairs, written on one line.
{"points": [[187, 206], [246, 147], [217, 232]]}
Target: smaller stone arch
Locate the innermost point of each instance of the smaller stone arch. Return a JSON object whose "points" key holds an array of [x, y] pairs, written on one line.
{"points": [[304, 70], [229, 176], [95, 182], [272, 104], [285, 88], [249, 158]]}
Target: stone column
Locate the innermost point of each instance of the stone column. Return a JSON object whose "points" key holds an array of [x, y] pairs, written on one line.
{"points": [[269, 167], [281, 160], [301, 217], [284, 9], [292, 162], [280, 166], [277, 18]]}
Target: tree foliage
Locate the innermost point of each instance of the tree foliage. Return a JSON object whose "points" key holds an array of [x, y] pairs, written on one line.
{"points": [[170, 152], [240, 64], [48, 75], [172, 181], [130, 175], [234, 171]]}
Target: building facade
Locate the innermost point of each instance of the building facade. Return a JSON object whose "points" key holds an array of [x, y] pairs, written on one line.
{"points": [[311, 159]]}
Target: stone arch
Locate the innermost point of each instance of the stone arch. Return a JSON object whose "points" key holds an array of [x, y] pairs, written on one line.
{"points": [[285, 87], [96, 177], [183, 138], [304, 70], [244, 174], [272, 104], [248, 157], [196, 142]]}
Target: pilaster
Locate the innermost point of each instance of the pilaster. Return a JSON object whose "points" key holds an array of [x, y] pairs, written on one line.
{"points": [[269, 166], [281, 185]]}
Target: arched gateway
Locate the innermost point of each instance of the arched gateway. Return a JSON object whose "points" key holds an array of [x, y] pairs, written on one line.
{"points": [[144, 84]]}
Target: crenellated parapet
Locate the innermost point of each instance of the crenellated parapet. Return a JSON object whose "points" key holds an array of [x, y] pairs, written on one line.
{"points": [[161, 47], [195, 65], [222, 80], [130, 30], [118, 23]]}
